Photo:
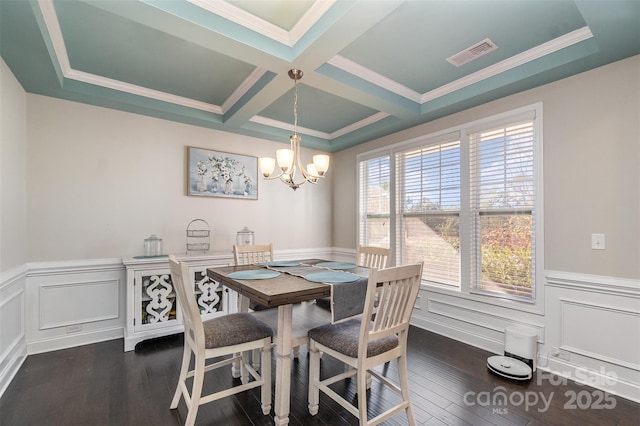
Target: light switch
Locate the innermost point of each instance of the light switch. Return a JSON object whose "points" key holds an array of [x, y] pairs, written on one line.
{"points": [[597, 241]]}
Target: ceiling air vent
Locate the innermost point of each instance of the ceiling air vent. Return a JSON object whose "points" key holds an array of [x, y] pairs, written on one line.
{"points": [[473, 52]]}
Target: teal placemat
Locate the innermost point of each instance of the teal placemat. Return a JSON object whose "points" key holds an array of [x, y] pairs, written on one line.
{"points": [[281, 263], [331, 277], [337, 265], [254, 274]]}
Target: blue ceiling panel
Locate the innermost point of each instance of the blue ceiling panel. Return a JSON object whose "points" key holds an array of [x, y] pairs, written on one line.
{"points": [[317, 110], [371, 68], [146, 57], [432, 31]]}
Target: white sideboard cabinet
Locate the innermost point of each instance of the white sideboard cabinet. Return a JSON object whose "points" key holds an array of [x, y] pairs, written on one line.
{"points": [[152, 308]]}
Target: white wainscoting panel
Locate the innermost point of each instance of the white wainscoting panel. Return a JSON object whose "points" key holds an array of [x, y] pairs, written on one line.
{"points": [[473, 322], [601, 332], [13, 347], [59, 305], [77, 302], [589, 330], [74, 303], [481, 315], [593, 331], [11, 322], [589, 325]]}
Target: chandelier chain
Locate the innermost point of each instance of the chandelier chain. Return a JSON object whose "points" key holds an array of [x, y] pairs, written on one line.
{"points": [[289, 159], [295, 107]]}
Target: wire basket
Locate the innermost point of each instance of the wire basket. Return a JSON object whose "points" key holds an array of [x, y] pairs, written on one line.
{"points": [[197, 231], [191, 247]]}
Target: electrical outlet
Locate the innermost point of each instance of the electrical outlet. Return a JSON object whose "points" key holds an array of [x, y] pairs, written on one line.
{"points": [[597, 241], [560, 353], [74, 328]]}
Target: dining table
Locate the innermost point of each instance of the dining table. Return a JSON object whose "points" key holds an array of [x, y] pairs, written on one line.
{"points": [[281, 284]]}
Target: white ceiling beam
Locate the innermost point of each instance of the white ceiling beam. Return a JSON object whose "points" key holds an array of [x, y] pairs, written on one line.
{"points": [[358, 19]]}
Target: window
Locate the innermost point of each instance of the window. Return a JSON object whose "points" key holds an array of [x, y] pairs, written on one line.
{"points": [[374, 205], [428, 218], [467, 202], [502, 207]]}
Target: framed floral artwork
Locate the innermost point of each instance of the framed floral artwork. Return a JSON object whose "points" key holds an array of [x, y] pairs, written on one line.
{"points": [[222, 174]]}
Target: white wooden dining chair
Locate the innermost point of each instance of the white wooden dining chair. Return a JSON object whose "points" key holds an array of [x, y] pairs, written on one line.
{"points": [[367, 256], [363, 345], [372, 257], [252, 254], [231, 336]]}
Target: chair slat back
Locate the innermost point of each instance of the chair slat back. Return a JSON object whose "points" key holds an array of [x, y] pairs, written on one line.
{"points": [[391, 293], [372, 257], [252, 254], [192, 320]]}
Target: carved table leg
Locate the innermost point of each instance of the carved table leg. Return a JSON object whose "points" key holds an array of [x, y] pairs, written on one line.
{"points": [[283, 365], [243, 306]]}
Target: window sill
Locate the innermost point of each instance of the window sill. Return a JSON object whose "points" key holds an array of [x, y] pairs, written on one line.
{"points": [[534, 307]]}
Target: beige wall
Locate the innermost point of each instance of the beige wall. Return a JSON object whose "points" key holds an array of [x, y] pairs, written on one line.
{"points": [[101, 181], [13, 171], [591, 168]]}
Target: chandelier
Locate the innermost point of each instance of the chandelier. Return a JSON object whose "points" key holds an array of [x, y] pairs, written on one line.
{"points": [[289, 159]]}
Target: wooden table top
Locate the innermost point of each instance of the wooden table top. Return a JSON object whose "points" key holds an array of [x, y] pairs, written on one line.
{"points": [[281, 290]]}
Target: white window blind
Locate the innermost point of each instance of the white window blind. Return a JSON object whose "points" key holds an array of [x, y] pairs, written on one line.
{"points": [[428, 210], [467, 201], [374, 203], [502, 216]]}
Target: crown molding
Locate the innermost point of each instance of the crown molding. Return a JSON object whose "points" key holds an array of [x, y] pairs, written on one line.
{"points": [[392, 86], [287, 126], [244, 19], [265, 28], [140, 91], [243, 89], [373, 77], [329, 136], [359, 125], [510, 63]]}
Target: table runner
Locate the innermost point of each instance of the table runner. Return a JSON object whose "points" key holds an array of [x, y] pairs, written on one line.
{"points": [[347, 299]]}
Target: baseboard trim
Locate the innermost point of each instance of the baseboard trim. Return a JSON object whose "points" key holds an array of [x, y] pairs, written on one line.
{"points": [[595, 379], [566, 370], [13, 365], [78, 339], [460, 335]]}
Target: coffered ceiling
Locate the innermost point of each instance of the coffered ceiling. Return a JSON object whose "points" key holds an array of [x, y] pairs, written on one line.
{"points": [[371, 67]]}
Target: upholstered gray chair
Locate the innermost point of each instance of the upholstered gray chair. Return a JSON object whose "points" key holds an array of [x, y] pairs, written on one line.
{"points": [[231, 336], [365, 344]]}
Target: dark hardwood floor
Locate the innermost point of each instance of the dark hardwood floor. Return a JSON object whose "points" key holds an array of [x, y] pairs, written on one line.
{"points": [[100, 384]]}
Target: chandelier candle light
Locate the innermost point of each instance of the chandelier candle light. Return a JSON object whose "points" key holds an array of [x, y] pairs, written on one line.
{"points": [[289, 159]]}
